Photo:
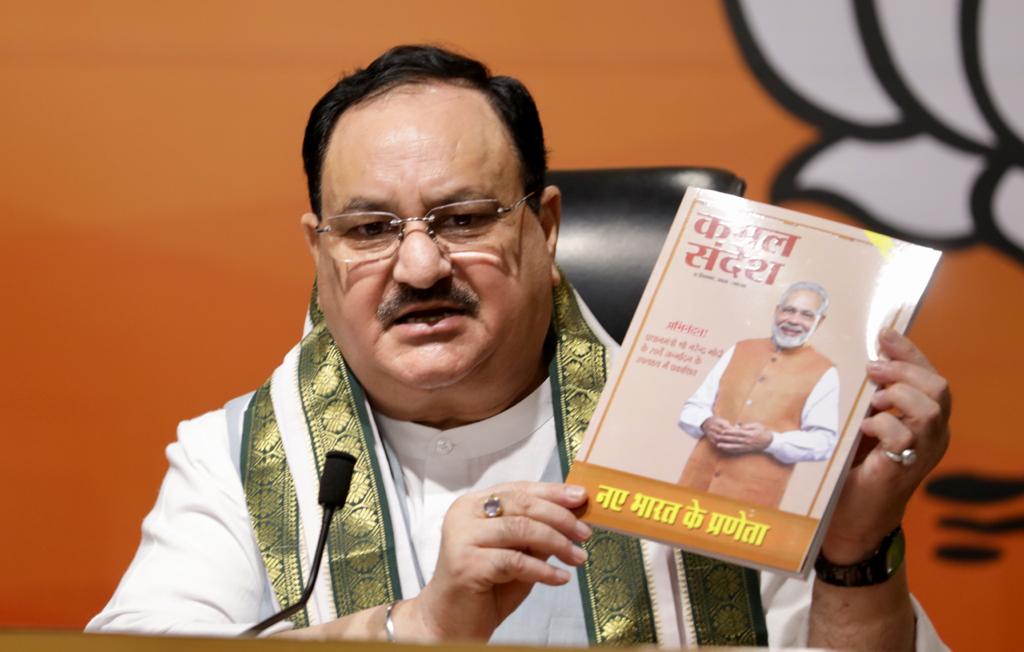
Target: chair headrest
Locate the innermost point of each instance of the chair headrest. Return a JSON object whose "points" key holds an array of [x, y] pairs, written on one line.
{"points": [[614, 223]]}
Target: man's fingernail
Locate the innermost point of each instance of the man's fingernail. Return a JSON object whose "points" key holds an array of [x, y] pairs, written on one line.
{"points": [[890, 335], [876, 365], [583, 530], [575, 491], [579, 555], [562, 575]]}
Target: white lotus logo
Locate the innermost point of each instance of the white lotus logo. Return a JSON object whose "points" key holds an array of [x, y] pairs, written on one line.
{"points": [[920, 106]]}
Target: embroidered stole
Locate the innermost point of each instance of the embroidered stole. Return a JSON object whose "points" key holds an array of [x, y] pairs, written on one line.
{"points": [[361, 549]]}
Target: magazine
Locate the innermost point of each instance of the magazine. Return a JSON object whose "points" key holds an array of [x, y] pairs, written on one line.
{"points": [[731, 413]]}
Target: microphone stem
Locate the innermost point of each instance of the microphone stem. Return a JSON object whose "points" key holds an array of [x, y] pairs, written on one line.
{"points": [[314, 570]]}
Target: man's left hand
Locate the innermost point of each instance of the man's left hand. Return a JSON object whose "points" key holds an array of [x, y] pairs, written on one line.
{"points": [[745, 438], [912, 408]]}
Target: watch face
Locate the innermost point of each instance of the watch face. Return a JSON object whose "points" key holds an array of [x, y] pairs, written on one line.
{"points": [[894, 555]]}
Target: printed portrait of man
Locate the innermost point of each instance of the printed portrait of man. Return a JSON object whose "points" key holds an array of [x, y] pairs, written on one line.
{"points": [[767, 405]]}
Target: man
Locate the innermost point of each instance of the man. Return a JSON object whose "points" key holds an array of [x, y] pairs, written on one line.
{"points": [[468, 373], [766, 405]]}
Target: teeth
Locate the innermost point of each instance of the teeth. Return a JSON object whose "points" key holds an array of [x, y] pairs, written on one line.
{"points": [[426, 318]]}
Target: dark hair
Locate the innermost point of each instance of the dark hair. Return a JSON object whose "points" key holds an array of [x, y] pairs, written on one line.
{"points": [[410, 64]]}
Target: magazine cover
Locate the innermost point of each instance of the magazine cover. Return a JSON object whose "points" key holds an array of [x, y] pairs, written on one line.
{"points": [[732, 410]]}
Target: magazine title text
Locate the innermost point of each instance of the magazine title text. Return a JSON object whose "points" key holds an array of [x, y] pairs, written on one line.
{"points": [[739, 249]]}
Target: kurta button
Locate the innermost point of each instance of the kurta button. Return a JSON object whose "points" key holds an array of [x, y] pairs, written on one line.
{"points": [[750, 401], [443, 446]]}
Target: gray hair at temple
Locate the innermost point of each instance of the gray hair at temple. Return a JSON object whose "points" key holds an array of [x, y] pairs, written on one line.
{"points": [[813, 287]]}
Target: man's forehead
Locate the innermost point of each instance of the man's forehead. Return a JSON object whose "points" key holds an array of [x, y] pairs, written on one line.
{"points": [[802, 297], [435, 136]]}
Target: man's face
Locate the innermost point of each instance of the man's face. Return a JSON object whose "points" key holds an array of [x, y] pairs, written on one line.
{"points": [[796, 318], [436, 337]]}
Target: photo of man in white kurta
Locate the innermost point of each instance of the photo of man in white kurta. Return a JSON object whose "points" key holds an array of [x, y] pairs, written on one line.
{"points": [[767, 405]]}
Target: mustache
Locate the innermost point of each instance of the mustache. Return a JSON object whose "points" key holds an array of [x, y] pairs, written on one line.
{"points": [[454, 293]]}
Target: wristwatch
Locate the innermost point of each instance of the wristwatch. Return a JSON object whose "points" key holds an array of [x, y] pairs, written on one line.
{"points": [[880, 566]]}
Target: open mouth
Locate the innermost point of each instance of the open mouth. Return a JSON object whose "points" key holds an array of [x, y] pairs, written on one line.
{"points": [[429, 315], [427, 307]]}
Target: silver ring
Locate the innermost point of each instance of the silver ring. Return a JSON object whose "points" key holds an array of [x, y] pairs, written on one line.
{"points": [[906, 457], [492, 507]]}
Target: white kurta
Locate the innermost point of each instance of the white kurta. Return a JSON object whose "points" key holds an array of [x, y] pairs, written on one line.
{"points": [[438, 466], [199, 571]]}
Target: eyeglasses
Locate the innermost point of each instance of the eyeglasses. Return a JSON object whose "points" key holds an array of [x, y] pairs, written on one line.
{"points": [[366, 236]]}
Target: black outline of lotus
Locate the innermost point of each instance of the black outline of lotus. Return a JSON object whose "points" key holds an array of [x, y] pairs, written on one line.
{"points": [[916, 120], [963, 492]]}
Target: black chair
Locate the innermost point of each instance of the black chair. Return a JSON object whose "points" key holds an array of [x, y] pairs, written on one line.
{"points": [[614, 223]]}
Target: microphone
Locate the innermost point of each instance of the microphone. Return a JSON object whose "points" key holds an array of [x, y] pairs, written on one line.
{"points": [[334, 484]]}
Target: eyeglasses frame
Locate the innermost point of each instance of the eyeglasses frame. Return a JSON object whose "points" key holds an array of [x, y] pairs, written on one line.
{"points": [[429, 217]]}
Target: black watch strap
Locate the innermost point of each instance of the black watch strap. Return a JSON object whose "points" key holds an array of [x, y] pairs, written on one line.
{"points": [[880, 566]]}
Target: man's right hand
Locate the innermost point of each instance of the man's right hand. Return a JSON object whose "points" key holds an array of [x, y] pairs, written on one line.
{"points": [[715, 429], [485, 569], [487, 566]]}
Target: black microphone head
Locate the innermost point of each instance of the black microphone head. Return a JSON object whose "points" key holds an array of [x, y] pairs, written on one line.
{"points": [[337, 477]]}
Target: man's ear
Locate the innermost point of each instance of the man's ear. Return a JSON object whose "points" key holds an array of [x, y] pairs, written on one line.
{"points": [[309, 223], [550, 218]]}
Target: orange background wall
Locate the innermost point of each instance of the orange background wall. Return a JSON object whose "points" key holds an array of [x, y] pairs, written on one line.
{"points": [[153, 265]]}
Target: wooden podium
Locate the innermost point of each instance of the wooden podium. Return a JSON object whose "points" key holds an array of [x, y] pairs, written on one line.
{"points": [[70, 641]]}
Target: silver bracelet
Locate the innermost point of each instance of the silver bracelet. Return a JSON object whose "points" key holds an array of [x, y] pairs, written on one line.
{"points": [[389, 624]]}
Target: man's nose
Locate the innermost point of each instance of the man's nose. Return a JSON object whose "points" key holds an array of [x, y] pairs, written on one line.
{"points": [[420, 263]]}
